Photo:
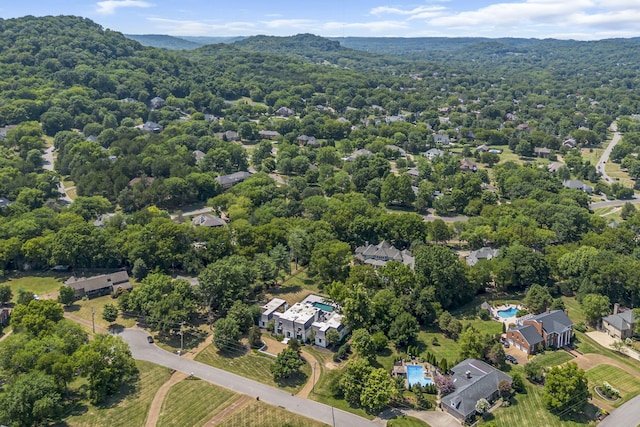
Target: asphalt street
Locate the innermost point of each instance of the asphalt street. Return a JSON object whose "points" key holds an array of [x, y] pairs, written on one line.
{"points": [[142, 350], [628, 415]]}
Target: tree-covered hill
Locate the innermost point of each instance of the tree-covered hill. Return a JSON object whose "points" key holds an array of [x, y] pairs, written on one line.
{"points": [[164, 41]]}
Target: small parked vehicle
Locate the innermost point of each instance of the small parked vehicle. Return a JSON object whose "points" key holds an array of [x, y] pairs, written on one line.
{"points": [[150, 339]]}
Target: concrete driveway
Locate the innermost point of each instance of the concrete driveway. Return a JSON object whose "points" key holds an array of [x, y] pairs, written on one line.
{"points": [[605, 340], [142, 350]]}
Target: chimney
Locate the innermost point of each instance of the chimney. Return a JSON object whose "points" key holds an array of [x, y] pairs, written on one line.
{"points": [[547, 311], [566, 312], [616, 307], [468, 373]]}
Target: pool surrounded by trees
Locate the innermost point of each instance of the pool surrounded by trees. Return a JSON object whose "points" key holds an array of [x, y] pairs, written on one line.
{"points": [[415, 375]]}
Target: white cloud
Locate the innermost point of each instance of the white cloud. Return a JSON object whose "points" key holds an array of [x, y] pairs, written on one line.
{"points": [[109, 7], [417, 11], [372, 27], [289, 23], [179, 27]]}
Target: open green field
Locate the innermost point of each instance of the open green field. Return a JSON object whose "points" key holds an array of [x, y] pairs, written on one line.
{"points": [[553, 358], [124, 410], [574, 310], [405, 421], [611, 213], [258, 414], [592, 154], [39, 284], [251, 365], [614, 170], [529, 410], [628, 385], [191, 403], [295, 288]]}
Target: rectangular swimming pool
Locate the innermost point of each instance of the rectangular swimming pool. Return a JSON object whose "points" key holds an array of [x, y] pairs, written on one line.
{"points": [[324, 307], [415, 375]]}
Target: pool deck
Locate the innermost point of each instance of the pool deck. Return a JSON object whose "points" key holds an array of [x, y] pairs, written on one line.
{"points": [[508, 320]]}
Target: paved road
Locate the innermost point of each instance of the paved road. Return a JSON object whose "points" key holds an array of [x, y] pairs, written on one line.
{"points": [[613, 203], [47, 158], [628, 415], [600, 166], [142, 350]]}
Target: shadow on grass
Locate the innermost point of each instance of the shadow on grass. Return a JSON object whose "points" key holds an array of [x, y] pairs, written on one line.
{"points": [[286, 289], [71, 308], [192, 338], [295, 380], [116, 328], [584, 415]]}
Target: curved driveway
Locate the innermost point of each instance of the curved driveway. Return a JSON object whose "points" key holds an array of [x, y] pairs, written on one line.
{"points": [[600, 166], [142, 350]]}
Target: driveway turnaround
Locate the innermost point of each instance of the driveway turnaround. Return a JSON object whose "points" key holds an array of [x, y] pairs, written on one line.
{"points": [[142, 350]]}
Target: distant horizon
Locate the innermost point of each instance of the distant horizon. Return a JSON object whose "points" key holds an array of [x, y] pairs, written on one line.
{"points": [[527, 19]]}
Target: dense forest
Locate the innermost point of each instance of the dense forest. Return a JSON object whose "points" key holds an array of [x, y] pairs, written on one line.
{"points": [[335, 138]]}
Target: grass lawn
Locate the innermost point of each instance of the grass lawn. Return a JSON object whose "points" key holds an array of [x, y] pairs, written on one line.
{"points": [[611, 213], [553, 358], [193, 403], [614, 170], [529, 410], [575, 310], [592, 154], [39, 284], [258, 414], [405, 421], [126, 409], [295, 288], [252, 365], [628, 385], [83, 309]]}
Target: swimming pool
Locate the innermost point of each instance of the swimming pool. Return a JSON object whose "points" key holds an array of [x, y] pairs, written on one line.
{"points": [[415, 375], [324, 307], [510, 312]]}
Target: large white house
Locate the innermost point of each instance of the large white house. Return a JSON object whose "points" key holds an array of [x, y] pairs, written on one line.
{"points": [[309, 320]]}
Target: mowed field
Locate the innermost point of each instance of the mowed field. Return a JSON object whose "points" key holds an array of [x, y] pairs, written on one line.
{"points": [[628, 385]]}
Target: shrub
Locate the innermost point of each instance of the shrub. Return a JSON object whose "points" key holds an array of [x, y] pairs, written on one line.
{"points": [[522, 312], [609, 391], [580, 327]]}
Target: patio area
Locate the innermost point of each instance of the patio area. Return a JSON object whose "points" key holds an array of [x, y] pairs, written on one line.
{"points": [[505, 313]]}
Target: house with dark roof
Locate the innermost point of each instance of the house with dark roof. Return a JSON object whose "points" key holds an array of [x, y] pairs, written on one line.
{"points": [[268, 134], [207, 220], [542, 152], [4, 316], [99, 285], [482, 253], [432, 153], [467, 165], [620, 324], [156, 103], [284, 112], [228, 181], [198, 155], [358, 153], [379, 255], [152, 127], [441, 138], [4, 202], [473, 380], [549, 329]]}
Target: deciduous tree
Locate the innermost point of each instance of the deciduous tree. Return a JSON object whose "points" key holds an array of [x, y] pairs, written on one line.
{"points": [[566, 388]]}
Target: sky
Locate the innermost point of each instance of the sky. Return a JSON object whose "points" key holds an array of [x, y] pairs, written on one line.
{"points": [[562, 19]]}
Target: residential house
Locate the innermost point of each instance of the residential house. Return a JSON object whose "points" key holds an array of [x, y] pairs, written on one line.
{"points": [[267, 310], [542, 152], [309, 320], [4, 316], [356, 154], [198, 155], [400, 151], [99, 285], [413, 173], [284, 112], [394, 119], [511, 117], [549, 329], [207, 220], [432, 153], [483, 148], [522, 127], [379, 255], [102, 219], [268, 134], [4, 130], [621, 324], [482, 253], [570, 143], [156, 103], [554, 166], [146, 181], [91, 138], [441, 138], [229, 135], [577, 185], [228, 181], [152, 127], [4, 202], [467, 165], [210, 118], [473, 380]]}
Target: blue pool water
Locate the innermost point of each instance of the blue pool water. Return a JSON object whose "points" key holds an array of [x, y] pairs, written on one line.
{"points": [[505, 314], [324, 307], [415, 375]]}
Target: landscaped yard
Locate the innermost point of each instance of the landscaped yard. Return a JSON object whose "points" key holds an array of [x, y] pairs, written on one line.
{"points": [[529, 410], [628, 385], [405, 421], [553, 358], [127, 409], [258, 414], [193, 403], [39, 284], [251, 365], [82, 309], [295, 288]]}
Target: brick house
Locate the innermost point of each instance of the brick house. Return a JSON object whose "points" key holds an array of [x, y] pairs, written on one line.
{"points": [[550, 329]]}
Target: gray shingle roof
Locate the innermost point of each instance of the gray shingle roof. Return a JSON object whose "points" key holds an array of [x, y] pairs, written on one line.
{"points": [[529, 333], [482, 383], [553, 322], [622, 321]]}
